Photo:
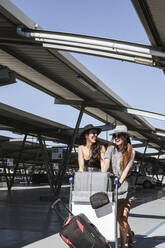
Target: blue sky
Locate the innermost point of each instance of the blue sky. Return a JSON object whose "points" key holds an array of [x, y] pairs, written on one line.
{"points": [[140, 86]]}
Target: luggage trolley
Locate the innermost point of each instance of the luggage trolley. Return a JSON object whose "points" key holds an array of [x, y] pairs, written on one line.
{"points": [[104, 218]]}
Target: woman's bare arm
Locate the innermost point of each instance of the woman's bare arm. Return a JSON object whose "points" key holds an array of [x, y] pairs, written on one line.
{"points": [[102, 154], [106, 164], [80, 159], [124, 174], [127, 169]]}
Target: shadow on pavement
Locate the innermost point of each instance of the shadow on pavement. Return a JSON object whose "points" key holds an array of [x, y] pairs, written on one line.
{"points": [[148, 195], [150, 242]]}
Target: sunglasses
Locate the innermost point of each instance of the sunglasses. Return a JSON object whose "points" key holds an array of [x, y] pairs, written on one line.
{"points": [[93, 132], [118, 136]]}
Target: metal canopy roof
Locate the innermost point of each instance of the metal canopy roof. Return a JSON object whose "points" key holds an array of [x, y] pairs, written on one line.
{"points": [[62, 76], [22, 122], [10, 148], [152, 16]]}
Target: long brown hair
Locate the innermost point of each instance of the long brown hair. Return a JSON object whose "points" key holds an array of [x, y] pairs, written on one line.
{"points": [[95, 149], [127, 152]]}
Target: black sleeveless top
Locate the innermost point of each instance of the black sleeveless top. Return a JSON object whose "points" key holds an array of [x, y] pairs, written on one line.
{"points": [[94, 164]]}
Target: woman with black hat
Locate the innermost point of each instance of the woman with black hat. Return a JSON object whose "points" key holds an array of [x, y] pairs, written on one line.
{"points": [[91, 152], [119, 157]]}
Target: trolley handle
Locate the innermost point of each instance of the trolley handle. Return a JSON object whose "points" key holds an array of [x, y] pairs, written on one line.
{"points": [[117, 184]]}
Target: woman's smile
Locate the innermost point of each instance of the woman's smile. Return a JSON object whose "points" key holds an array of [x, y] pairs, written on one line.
{"points": [[118, 139], [92, 136]]}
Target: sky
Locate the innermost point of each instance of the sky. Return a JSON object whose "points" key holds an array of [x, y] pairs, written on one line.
{"points": [[140, 86]]}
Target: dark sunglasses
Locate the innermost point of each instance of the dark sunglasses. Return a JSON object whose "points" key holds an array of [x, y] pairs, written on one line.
{"points": [[118, 136], [93, 132]]}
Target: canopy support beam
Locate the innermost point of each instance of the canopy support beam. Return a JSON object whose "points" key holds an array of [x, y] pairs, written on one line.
{"points": [[69, 151]]}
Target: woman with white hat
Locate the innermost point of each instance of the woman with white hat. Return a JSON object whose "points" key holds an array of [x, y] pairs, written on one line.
{"points": [[119, 158], [91, 152]]}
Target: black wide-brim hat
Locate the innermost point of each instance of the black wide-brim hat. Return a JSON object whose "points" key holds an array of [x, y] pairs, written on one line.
{"points": [[89, 127]]}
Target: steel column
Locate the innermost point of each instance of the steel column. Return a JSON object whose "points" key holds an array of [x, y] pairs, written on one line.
{"points": [[50, 172], [26, 176], [4, 168], [157, 164], [18, 161], [141, 163], [69, 150], [143, 156]]}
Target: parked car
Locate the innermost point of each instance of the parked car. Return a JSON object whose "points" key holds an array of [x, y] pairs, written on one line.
{"points": [[158, 182], [144, 180]]}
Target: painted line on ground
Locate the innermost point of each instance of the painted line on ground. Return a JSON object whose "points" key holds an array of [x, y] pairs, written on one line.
{"points": [[154, 229], [147, 234]]}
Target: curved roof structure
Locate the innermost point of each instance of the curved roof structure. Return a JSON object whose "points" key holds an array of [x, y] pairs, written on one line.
{"points": [[60, 75]]}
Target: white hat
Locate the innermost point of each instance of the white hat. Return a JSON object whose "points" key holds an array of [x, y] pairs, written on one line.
{"points": [[120, 129]]}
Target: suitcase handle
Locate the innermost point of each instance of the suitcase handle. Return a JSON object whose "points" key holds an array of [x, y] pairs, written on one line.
{"points": [[55, 204]]}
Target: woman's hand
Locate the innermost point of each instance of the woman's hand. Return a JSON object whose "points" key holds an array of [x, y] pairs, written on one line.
{"points": [[117, 182]]}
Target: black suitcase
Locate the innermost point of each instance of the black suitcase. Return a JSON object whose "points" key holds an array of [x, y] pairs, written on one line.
{"points": [[79, 232]]}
